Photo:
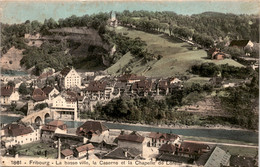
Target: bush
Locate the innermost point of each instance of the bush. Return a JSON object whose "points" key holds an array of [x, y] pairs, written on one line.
{"points": [[40, 106]]}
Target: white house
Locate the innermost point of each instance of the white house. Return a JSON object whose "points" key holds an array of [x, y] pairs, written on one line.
{"points": [[84, 150], [50, 93], [13, 134], [157, 139], [8, 95], [70, 78], [65, 106]]}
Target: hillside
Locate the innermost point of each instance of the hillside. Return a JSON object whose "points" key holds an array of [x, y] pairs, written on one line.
{"points": [[11, 59], [177, 56]]}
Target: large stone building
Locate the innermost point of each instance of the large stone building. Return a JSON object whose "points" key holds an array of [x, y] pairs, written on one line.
{"points": [[70, 78], [65, 104]]}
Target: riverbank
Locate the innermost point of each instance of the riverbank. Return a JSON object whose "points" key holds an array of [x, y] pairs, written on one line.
{"points": [[179, 126]]}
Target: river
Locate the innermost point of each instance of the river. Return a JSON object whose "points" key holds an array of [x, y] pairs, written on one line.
{"points": [[237, 135]]}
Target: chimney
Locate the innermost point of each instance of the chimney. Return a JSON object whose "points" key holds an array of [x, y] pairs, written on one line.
{"points": [[122, 132]]}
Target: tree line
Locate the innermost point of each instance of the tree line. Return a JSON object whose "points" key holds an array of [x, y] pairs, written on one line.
{"points": [[224, 70], [219, 26]]}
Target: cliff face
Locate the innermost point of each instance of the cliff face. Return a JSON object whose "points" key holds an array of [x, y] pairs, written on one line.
{"points": [[11, 60]]}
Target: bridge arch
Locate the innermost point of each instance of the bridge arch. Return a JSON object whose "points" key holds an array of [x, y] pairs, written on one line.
{"points": [[38, 120], [46, 116]]}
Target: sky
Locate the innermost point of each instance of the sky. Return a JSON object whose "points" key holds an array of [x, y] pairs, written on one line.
{"points": [[20, 11]]}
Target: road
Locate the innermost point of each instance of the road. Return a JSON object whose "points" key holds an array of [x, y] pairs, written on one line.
{"points": [[223, 144]]}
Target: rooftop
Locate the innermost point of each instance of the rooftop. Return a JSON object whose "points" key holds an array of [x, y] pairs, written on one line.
{"points": [[85, 147], [167, 148], [122, 153], [67, 152], [91, 126], [132, 137], [16, 129], [7, 90]]}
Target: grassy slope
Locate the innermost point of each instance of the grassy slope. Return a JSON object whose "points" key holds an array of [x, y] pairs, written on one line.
{"points": [[177, 58]]}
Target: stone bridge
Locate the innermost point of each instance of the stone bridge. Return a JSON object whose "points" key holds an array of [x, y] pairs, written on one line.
{"points": [[39, 117]]}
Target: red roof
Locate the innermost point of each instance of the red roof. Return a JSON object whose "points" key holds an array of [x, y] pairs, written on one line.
{"points": [[85, 147], [91, 126], [45, 75], [167, 148], [96, 86], [65, 71], [38, 95], [67, 152], [16, 130], [47, 90], [132, 137], [53, 125], [193, 148], [56, 123], [7, 90]]}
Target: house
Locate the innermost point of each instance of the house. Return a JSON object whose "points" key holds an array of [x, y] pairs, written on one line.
{"points": [[70, 78], [241, 44], [8, 95], [96, 90], [42, 78], [104, 142], [67, 154], [132, 140], [217, 158], [130, 78], [50, 92], [38, 95], [84, 150], [157, 139], [167, 148], [142, 88], [65, 104], [18, 133], [174, 80], [48, 130], [123, 153], [162, 87], [92, 128], [192, 150]]}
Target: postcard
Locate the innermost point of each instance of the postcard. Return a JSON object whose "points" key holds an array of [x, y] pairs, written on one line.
{"points": [[129, 83]]}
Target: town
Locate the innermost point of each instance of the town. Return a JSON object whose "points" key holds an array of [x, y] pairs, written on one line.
{"points": [[139, 85]]}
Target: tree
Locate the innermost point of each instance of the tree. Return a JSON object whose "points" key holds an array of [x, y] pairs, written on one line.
{"points": [[11, 83], [23, 89]]}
